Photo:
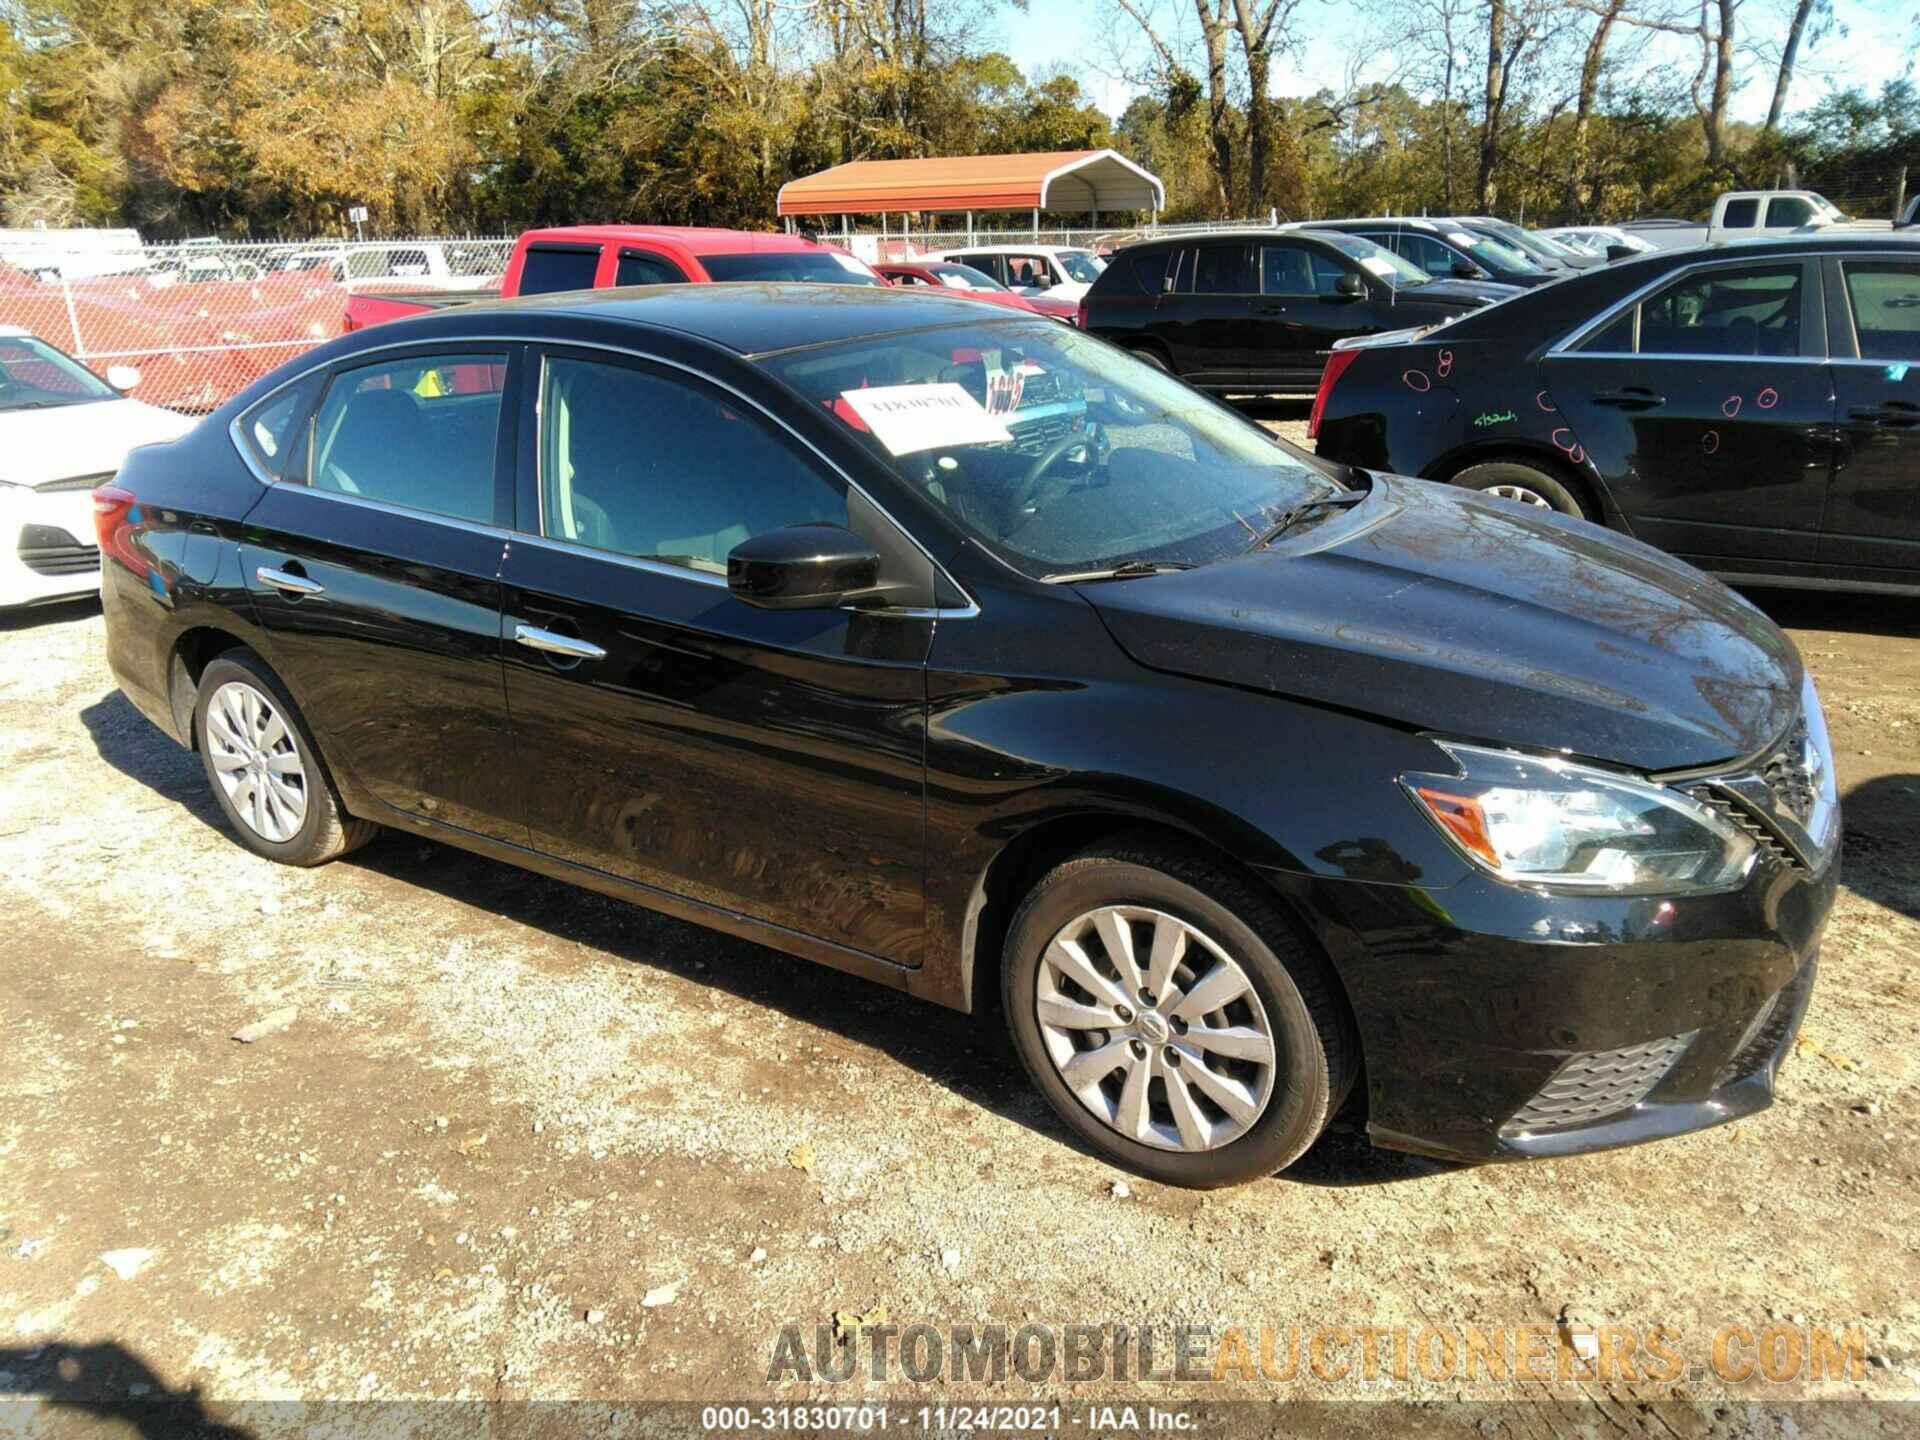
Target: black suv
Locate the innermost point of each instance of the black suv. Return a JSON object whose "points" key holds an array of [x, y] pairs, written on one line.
{"points": [[1260, 311]]}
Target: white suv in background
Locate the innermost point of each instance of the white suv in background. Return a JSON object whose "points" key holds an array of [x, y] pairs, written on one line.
{"points": [[63, 430], [1059, 272]]}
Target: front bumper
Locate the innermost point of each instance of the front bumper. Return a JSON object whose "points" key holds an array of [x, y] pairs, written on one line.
{"points": [[47, 549], [1499, 1023]]}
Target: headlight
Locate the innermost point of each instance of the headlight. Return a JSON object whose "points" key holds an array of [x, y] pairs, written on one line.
{"points": [[1550, 822]]}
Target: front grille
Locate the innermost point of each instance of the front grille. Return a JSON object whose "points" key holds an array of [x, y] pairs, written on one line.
{"points": [[1787, 775], [1763, 834], [73, 482], [1592, 1086], [49, 550]]}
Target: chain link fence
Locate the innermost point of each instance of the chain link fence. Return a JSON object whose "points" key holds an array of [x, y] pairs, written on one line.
{"points": [[201, 320]]}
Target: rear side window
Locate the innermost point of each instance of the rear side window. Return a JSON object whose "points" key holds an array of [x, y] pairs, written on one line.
{"points": [[1754, 310], [613, 477], [1740, 215], [267, 430], [419, 432], [1885, 298], [549, 269], [633, 268], [1224, 270]]}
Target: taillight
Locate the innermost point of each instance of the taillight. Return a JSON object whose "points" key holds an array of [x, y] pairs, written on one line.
{"points": [[1080, 314], [1337, 363], [114, 511]]}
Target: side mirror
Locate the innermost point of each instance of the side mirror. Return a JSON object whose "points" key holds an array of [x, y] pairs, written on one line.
{"points": [[123, 377], [1349, 287], [803, 567], [1621, 252], [1467, 270]]}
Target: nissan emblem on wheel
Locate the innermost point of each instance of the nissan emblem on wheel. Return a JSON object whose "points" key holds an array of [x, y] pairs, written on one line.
{"points": [[969, 653]]}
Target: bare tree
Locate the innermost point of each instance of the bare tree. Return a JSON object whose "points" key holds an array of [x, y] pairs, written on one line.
{"points": [[1262, 26], [1803, 11], [1592, 64], [1163, 38]]}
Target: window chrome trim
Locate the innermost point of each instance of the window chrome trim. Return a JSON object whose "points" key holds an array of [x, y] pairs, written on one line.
{"points": [[1566, 344], [966, 611]]}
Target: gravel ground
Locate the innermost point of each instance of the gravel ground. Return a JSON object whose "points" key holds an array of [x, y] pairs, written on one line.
{"points": [[525, 1142]]}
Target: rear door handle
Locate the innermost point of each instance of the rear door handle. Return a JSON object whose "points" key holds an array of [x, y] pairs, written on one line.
{"points": [[1634, 397], [287, 582], [569, 646]]}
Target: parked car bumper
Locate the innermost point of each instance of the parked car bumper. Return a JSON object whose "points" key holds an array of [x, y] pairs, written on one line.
{"points": [[47, 549], [1503, 1024]]}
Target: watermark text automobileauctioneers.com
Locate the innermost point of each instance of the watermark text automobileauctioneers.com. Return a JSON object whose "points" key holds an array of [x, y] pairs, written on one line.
{"points": [[1540, 1353]]}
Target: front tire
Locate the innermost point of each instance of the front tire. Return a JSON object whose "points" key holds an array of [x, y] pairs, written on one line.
{"points": [[1173, 1017], [1512, 480], [264, 769]]}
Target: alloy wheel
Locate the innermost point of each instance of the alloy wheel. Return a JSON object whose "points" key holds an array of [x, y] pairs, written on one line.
{"points": [[1155, 1028], [256, 761], [1522, 494]]}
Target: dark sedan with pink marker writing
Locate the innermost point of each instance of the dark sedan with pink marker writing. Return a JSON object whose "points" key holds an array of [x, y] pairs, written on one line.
{"points": [[1753, 408]]}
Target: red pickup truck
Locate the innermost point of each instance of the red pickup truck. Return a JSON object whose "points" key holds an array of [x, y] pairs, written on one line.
{"points": [[593, 257]]}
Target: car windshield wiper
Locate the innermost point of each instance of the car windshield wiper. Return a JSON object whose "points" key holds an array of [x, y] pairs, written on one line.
{"points": [[1294, 514], [1131, 570]]}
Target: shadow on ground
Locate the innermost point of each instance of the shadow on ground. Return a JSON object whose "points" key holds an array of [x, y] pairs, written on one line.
{"points": [[29, 617], [109, 1383], [1837, 610], [969, 1055]]}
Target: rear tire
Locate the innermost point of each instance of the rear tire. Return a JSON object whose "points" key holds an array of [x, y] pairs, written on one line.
{"points": [[264, 769], [1513, 480], [1231, 1088]]}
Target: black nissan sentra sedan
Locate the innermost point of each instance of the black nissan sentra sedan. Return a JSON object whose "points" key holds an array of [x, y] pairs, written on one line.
{"points": [[1753, 408], [977, 657]]}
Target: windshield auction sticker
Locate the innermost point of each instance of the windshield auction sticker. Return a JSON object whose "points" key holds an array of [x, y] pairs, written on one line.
{"points": [[906, 418]]}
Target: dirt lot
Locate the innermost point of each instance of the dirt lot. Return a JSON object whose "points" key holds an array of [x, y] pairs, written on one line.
{"points": [[523, 1141]]}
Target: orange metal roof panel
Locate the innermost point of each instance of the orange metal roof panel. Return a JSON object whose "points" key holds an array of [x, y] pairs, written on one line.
{"points": [[946, 183]]}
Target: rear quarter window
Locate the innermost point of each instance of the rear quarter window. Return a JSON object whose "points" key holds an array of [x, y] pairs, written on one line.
{"points": [[1149, 271], [549, 269]]}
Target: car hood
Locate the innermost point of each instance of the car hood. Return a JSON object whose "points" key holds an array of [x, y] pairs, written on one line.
{"points": [[1478, 619], [1448, 288], [87, 439]]}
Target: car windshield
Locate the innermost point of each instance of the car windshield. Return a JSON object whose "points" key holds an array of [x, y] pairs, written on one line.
{"points": [[35, 376], [963, 277], [1081, 266], [1396, 270], [1057, 452], [827, 267], [1496, 255]]}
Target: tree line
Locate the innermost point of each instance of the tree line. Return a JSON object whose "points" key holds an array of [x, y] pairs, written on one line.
{"points": [[273, 117]]}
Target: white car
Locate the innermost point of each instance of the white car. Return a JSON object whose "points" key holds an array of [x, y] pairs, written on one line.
{"points": [[63, 430], [1598, 237], [1058, 272]]}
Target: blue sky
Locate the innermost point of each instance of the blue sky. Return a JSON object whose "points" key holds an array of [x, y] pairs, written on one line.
{"points": [[1879, 45]]}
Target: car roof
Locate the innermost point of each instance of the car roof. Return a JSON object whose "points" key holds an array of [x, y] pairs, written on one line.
{"points": [[694, 239], [758, 317], [15, 332], [1010, 250]]}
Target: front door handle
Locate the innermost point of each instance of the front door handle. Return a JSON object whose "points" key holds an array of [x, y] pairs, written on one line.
{"points": [[287, 582], [568, 646], [1895, 414], [1634, 397]]}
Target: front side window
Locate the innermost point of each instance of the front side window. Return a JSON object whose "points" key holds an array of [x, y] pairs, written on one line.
{"points": [[820, 267], [1055, 451], [1885, 298], [1789, 211], [1286, 270], [548, 270], [1754, 310], [1082, 266], [613, 477], [634, 268], [1375, 259], [419, 432], [1739, 214], [35, 376]]}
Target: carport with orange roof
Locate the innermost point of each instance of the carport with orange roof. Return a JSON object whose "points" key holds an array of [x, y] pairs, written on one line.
{"points": [[1089, 180]]}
